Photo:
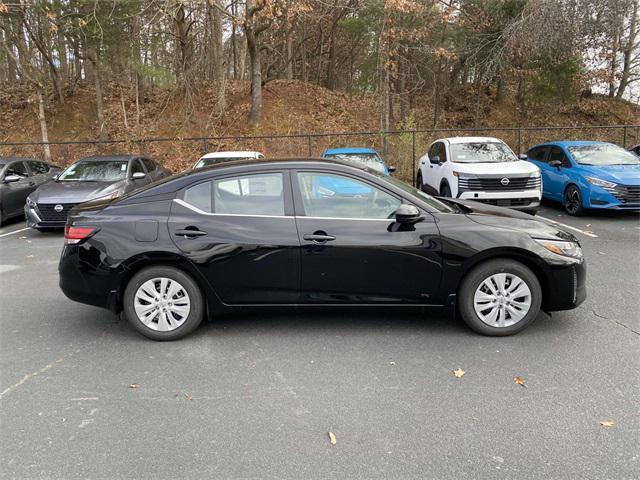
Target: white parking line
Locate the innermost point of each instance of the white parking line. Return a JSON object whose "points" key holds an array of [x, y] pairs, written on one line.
{"points": [[15, 231], [588, 234]]}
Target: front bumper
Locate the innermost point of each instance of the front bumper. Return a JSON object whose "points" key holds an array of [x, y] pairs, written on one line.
{"points": [[518, 200], [36, 219], [621, 197], [566, 288]]}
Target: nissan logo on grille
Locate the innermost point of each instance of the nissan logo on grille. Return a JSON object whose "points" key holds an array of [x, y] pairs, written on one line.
{"points": [[504, 181], [58, 208]]}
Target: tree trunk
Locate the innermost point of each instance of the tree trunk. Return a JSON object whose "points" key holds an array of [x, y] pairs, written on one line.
{"points": [[44, 131], [93, 59], [217, 48], [255, 114], [628, 51]]}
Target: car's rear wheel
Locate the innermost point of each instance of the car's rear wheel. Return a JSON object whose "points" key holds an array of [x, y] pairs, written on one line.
{"points": [[573, 201], [163, 303], [499, 297]]}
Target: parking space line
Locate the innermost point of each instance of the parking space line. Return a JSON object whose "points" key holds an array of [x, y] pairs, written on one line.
{"points": [[588, 234], [15, 231]]}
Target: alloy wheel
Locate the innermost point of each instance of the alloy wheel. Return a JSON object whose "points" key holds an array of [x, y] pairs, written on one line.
{"points": [[572, 200], [162, 304], [502, 300]]}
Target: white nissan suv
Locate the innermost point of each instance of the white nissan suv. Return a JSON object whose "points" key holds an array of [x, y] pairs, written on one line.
{"points": [[484, 169]]}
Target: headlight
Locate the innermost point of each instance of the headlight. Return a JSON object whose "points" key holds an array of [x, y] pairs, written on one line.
{"points": [[559, 247], [535, 174], [601, 183], [31, 203]]}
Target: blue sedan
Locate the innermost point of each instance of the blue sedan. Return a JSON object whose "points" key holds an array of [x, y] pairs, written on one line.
{"points": [[362, 157], [583, 175]]}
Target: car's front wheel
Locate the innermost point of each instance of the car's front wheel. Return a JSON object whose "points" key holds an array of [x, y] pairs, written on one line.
{"points": [[573, 201], [445, 191], [420, 183], [499, 297], [163, 303]]}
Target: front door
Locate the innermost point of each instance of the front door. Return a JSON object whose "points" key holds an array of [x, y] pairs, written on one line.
{"points": [[15, 193], [240, 232], [555, 178], [353, 251]]}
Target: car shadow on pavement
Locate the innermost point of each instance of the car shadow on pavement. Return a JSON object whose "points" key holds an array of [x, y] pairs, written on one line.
{"points": [[591, 213]]}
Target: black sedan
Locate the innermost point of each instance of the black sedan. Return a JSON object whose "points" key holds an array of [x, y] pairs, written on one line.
{"points": [[91, 178], [18, 178], [255, 233]]}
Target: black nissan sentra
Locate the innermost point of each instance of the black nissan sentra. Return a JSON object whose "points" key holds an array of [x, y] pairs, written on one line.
{"points": [[91, 178], [276, 233]]}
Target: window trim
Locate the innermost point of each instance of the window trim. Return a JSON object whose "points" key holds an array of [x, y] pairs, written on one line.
{"points": [[299, 204]]}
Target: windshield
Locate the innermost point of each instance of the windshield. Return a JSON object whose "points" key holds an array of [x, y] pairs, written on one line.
{"points": [[603, 154], [95, 171], [205, 162], [367, 160], [428, 199], [481, 152]]}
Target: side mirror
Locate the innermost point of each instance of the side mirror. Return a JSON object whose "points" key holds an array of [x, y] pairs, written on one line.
{"points": [[523, 156], [12, 178], [408, 214], [138, 175], [435, 160], [391, 169], [555, 163]]}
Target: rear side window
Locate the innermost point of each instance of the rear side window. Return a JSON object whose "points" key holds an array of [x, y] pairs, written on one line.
{"points": [[38, 167], [537, 153], [260, 194], [17, 168]]}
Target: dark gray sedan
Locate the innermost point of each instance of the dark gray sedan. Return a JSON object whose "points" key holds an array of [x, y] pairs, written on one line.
{"points": [[91, 178], [18, 178]]}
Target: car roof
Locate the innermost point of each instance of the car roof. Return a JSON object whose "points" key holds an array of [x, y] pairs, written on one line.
{"points": [[337, 151], [109, 158], [573, 143], [458, 140], [5, 160], [232, 154]]}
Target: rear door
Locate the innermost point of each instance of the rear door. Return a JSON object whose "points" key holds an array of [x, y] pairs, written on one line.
{"points": [[353, 252], [239, 230]]}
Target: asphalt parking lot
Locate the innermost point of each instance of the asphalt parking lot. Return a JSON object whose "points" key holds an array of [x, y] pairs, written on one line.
{"points": [[253, 396]]}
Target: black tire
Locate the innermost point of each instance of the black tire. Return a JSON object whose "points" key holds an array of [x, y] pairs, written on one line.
{"points": [[419, 183], [195, 297], [445, 191], [474, 279], [572, 201]]}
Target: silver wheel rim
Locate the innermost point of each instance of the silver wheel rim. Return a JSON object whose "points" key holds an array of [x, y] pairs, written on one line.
{"points": [[162, 304], [502, 300]]}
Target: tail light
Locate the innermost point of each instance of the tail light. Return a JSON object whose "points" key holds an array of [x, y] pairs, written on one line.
{"points": [[73, 235]]}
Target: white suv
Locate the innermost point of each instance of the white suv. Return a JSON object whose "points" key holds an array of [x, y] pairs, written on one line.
{"points": [[483, 169], [220, 157]]}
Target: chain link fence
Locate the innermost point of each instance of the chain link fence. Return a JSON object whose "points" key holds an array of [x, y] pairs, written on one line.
{"points": [[401, 149]]}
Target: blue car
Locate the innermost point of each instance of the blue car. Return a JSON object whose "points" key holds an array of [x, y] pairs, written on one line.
{"points": [[363, 157], [584, 175]]}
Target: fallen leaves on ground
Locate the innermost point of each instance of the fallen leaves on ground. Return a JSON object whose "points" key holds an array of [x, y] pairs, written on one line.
{"points": [[188, 396], [607, 423], [332, 438], [133, 385], [458, 372], [519, 381]]}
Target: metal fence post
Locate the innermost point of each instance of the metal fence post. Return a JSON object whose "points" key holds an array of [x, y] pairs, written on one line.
{"points": [[205, 146], [519, 140], [413, 155], [624, 137], [309, 145]]}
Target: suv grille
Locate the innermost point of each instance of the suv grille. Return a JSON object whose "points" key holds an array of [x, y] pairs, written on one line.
{"points": [[49, 214], [495, 184], [507, 202]]}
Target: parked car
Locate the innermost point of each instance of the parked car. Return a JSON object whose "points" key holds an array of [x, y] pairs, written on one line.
{"points": [[365, 157], [635, 149], [484, 169], [220, 157], [18, 178], [583, 175], [256, 233], [91, 178]]}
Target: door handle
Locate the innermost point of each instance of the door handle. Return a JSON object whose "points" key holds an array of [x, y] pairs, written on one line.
{"points": [[187, 232], [318, 237]]}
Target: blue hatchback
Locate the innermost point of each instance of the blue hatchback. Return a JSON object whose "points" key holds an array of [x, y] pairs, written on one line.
{"points": [[583, 175]]}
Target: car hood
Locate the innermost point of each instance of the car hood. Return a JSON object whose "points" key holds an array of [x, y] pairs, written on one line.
{"points": [[74, 192], [624, 174], [519, 167], [512, 220]]}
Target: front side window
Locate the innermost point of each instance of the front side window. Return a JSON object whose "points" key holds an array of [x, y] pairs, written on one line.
{"points": [[481, 152], [17, 168], [603, 154], [151, 166], [95, 171], [367, 160], [136, 167], [337, 196], [438, 150], [556, 153]]}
